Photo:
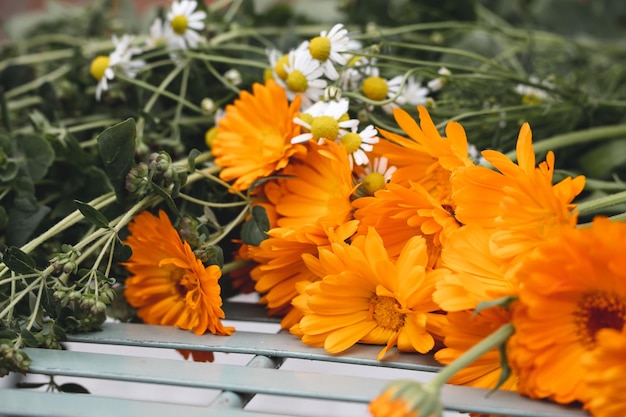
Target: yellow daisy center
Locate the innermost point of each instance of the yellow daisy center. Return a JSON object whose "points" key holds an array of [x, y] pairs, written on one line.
{"points": [[306, 117], [386, 312], [531, 99], [210, 135], [98, 66], [325, 127], [375, 88], [179, 24], [351, 141], [279, 67], [598, 310], [373, 182], [319, 47], [296, 81]]}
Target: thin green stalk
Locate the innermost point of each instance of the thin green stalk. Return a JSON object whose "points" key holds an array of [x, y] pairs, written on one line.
{"points": [[161, 88], [165, 93], [16, 298], [38, 82], [598, 204], [574, 138], [492, 341]]}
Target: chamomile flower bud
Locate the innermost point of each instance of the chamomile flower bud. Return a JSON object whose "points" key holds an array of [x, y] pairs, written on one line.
{"points": [[208, 106], [332, 93], [233, 76]]}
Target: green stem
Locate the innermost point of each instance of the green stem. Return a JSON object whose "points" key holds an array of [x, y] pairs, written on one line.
{"points": [[16, 298], [165, 93], [161, 88], [33, 313], [234, 265], [573, 138], [598, 204], [492, 341], [36, 83]]}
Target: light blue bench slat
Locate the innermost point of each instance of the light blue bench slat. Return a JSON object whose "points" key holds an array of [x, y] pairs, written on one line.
{"points": [[282, 345], [14, 402], [273, 382]]}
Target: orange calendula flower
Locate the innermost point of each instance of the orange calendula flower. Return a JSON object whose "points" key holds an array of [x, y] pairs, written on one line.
{"points": [[570, 288], [606, 367], [169, 285], [426, 158], [253, 139], [463, 331], [385, 405], [364, 296], [520, 201], [399, 213], [476, 275], [319, 191], [280, 264]]}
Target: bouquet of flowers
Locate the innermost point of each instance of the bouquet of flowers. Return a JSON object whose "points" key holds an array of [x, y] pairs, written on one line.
{"points": [[420, 175]]}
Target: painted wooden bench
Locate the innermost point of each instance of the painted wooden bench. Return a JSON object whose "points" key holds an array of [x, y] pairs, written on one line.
{"points": [[235, 385]]}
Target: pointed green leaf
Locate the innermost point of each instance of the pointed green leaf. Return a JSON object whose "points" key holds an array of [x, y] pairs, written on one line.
{"points": [[94, 216], [191, 159], [73, 388], [504, 366], [503, 302], [254, 230], [117, 150], [121, 252], [166, 197], [28, 338], [18, 261]]}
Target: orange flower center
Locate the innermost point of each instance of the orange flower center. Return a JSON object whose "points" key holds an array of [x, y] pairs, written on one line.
{"points": [[386, 312], [599, 310]]}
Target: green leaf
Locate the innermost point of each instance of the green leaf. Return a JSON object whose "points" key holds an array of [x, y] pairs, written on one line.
{"points": [[8, 171], [36, 153], [18, 261], [30, 385], [117, 150], [95, 216], [4, 218], [254, 230], [503, 302], [29, 339], [506, 369], [121, 252], [265, 179], [4, 111], [191, 160], [26, 213], [166, 197], [73, 388]]}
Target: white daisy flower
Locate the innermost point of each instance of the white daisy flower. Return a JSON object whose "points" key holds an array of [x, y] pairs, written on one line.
{"points": [[323, 120], [411, 93], [328, 48], [531, 94], [375, 176], [185, 22], [103, 67], [303, 77], [437, 84], [357, 144]]}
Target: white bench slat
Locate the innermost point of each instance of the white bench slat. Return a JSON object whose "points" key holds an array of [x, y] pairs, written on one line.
{"points": [[274, 382], [279, 345], [18, 402]]}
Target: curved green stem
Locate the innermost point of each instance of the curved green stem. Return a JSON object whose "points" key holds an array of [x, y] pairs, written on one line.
{"points": [[165, 93], [598, 204], [574, 138]]}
